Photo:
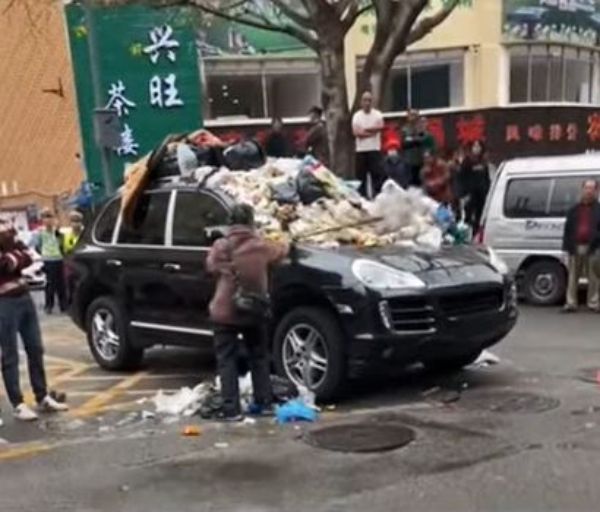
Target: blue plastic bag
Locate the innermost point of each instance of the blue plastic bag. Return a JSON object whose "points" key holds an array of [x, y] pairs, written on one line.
{"points": [[295, 410]]}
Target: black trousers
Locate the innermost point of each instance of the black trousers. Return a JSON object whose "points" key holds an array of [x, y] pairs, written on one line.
{"points": [[55, 285], [369, 167], [18, 317], [415, 175], [227, 345], [474, 208]]}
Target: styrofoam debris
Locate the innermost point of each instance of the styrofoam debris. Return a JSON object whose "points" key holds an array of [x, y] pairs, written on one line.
{"points": [[248, 421], [222, 445], [486, 358], [184, 402]]}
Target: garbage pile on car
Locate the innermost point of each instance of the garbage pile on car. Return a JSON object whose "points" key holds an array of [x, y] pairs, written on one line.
{"points": [[295, 199]]}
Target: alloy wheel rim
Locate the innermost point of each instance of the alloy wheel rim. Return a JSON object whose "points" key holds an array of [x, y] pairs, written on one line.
{"points": [[104, 336], [305, 356]]}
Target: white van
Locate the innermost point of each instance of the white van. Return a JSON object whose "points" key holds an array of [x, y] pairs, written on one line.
{"points": [[524, 217]]}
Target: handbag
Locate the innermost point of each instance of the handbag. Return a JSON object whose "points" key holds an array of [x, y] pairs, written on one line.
{"points": [[251, 305]]}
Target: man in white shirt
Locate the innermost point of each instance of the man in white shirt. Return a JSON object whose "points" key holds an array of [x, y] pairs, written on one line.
{"points": [[367, 125]]}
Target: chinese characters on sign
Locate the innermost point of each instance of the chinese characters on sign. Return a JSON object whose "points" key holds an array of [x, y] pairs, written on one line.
{"points": [[470, 129], [161, 40], [164, 93], [555, 132], [117, 99], [162, 90]]}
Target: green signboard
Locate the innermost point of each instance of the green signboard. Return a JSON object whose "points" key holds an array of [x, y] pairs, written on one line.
{"points": [[137, 80]]}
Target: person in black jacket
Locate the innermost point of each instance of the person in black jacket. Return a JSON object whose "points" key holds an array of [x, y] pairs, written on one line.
{"points": [[475, 176], [277, 145], [581, 242]]}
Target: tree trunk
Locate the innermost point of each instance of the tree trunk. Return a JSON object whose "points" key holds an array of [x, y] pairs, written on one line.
{"points": [[335, 105]]}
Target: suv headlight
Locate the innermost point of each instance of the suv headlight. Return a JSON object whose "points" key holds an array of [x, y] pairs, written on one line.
{"points": [[381, 277], [497, 262]]}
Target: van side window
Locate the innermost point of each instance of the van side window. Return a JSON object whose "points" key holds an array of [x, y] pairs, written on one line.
{"points": [[527, 198], [149, 221], [105, 226], [566, 194]]}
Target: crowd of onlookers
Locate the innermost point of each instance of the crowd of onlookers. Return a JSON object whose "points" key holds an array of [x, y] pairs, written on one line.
{"points": [[410, 156]]}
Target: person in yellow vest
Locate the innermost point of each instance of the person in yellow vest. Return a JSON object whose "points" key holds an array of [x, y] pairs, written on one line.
{"points": [[73, 232], [48, 241]]}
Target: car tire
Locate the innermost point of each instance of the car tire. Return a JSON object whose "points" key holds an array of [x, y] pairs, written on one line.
{"points": [[545, 283], [297, 329], [451, 364], [106, 329]]}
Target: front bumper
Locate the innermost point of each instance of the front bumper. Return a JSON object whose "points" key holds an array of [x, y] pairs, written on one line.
{"points": [[435, 324]]}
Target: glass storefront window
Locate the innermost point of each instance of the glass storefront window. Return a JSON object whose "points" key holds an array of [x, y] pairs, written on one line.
{"points": [[554, 73], [260, 89]]}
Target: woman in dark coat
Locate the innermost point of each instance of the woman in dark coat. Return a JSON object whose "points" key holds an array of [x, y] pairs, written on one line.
{"points": [[277, 145], [475, 176]]}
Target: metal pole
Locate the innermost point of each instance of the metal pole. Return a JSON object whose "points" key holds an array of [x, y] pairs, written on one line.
{"points": [[98, 96]]}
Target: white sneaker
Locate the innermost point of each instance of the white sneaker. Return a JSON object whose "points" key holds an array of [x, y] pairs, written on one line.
{"points": [[24, 413], [48, 404]]}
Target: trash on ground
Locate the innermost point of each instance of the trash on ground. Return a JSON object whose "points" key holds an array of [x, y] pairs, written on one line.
{"points": [[295, 410], [148, 415], [184, 402], [486, 358], [248, 421], [330, 407], [221, 446], [191, 431], [124, 488], [141, 401]]}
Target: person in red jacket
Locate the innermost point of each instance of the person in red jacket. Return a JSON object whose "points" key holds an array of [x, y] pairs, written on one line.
{"points": [[245, 253], [18, 316], [436, 179]]}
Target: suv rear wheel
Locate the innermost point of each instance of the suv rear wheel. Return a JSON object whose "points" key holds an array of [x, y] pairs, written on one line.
{"points": [[309, 351], [107, 336]]}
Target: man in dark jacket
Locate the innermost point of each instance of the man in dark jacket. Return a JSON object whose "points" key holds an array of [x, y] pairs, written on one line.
{"points": [[317, 143], [416, 140], [245, 253], [18, 317], [581, 242]]}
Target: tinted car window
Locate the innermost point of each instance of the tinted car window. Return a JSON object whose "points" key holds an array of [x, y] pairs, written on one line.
{"points": [[105, 225], [149, 225], [527, 198], [193, 213], [565, 195]]}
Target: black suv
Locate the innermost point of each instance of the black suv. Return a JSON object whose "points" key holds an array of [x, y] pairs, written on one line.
{"points": [[337, 312]]}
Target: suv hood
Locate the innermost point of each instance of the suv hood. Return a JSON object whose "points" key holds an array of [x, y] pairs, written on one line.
{"points": [[450, 266]]}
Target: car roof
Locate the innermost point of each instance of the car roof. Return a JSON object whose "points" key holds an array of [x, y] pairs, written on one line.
{"points": [[575, 163]]}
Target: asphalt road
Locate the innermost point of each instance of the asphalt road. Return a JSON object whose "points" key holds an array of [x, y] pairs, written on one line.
{"points": [[521, 435]]}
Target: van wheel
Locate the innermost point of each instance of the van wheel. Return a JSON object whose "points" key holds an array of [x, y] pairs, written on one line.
{"points": [[545, 283], [107, 336], [309, 351]]}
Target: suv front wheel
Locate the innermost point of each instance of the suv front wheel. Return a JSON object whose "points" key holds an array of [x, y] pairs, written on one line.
{"points": [[107, 336], [309, 351]]}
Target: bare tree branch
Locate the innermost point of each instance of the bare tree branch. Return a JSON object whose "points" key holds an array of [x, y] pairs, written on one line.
{"points": [[426, 25], [292, 14]]}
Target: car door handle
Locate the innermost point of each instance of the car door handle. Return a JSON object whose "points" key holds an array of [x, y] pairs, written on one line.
{"points": [[114, 263], [172, 267]]}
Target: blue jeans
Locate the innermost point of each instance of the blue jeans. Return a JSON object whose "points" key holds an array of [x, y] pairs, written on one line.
{"points": [[18, 316]]}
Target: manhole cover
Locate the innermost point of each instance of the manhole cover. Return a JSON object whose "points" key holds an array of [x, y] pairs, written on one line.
{"points": [[510, 401], [589, 375], [361, 437]]}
